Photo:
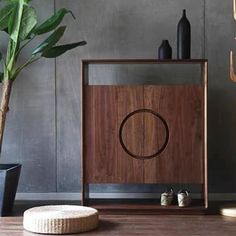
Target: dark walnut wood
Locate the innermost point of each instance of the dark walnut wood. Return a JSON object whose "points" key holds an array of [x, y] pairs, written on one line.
{"points": [[101, 135], [130, 169], [149, 209], [182, 161], [105, 160], [143, 134], [149, 123], [143, 61]]}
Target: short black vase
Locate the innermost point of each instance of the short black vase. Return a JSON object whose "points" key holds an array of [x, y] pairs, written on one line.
{"points": [[165, 50], [184, 38]]}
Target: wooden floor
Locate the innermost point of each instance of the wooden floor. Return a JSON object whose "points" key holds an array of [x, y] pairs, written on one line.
{"points": [[143, 225], [125, 225]]}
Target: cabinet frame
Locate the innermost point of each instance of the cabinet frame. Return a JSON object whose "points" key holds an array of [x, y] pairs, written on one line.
{"points": [[152, 208]]}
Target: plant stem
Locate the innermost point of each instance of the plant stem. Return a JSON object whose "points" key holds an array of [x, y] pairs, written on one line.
{"points": [[6, 92]]}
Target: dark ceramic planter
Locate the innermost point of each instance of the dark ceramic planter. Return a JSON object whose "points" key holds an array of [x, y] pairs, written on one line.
{"points": [[9, 177]]}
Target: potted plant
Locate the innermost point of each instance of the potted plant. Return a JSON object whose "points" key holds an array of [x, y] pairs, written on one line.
{"points": [[18, 19]]}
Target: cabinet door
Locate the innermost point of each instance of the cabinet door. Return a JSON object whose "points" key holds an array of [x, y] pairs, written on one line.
{"points": [[101, 131], [143, 134], [105, 159], [182, 160]]}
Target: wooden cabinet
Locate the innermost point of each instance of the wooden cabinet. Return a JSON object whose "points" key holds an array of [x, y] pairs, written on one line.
{"points": [[149, 134]]}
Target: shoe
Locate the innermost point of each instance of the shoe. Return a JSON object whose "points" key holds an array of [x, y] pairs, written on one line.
{"points": [[184, 200], [167, 197]]}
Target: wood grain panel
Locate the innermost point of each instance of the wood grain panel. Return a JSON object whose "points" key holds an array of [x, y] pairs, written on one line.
{"points": [[132, 134], [182, 107], [101, 134], [130, 98], [154, 136], [105, 159]]}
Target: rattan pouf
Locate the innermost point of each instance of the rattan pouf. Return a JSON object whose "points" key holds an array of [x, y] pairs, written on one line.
{"points": [[60, 219], [228, 211]]}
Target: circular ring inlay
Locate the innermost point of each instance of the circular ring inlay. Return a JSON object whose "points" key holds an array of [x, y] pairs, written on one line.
{"points": [[163, 145]]}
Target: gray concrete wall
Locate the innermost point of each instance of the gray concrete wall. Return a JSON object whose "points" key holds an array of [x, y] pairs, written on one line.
{"points": [[43, 127]]}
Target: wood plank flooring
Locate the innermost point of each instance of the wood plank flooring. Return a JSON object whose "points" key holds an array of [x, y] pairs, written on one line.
{"points": [[143, 225]]}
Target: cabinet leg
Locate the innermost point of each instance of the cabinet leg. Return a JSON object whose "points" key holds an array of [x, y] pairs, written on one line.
{"points": [[85, 195]]}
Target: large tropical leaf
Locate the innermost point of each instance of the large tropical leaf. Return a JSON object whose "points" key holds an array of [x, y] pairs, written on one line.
{"points": [[28, 22], [59, 50], [50, 41], [15, 21], [52, 22], [5, 14]]}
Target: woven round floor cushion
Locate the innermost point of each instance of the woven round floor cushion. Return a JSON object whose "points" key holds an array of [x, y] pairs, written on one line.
{"points": [[60, 219], [228, 211]]}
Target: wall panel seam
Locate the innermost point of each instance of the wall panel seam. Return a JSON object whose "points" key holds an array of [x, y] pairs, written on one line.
{"points": [[55, 112]]}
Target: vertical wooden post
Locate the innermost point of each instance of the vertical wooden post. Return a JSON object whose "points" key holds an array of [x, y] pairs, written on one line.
{"points": [[205, 177], [82, 132], [234, 3], [84, 186], [232, 73]]}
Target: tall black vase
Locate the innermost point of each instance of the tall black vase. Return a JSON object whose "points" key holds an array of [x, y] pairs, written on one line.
{"points": [[184, 38], [165, 50]]}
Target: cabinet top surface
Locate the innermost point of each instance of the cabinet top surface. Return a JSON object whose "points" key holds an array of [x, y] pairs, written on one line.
{"points": [[143, 61]]}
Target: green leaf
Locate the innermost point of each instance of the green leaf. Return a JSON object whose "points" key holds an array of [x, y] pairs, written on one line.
{"points": [[50, 41], [59, 50], [14, 28], [52, 22], [0, 56], [28, 22], [5, 14], [31, 33], [15, 21]]}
